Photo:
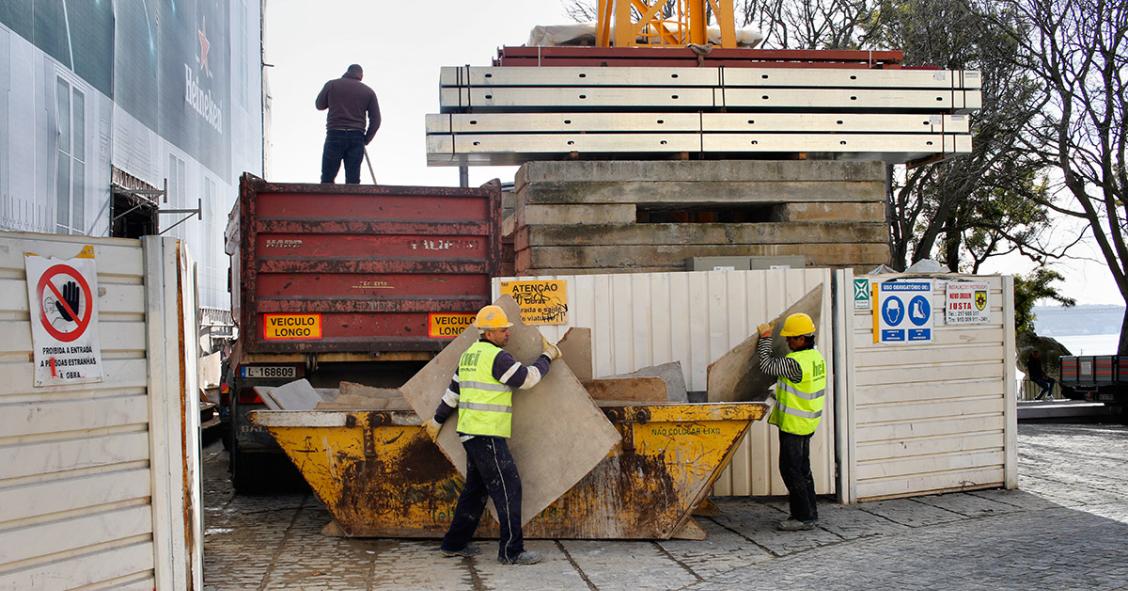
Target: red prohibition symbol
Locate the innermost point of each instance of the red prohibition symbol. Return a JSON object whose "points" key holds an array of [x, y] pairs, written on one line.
{"points": [[88, 310]]}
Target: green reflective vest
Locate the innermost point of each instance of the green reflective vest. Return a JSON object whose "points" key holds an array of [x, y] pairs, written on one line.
{"points": [[799, 406], [485, 405]]}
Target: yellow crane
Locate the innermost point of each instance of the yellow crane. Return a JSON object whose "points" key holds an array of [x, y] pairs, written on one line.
{"points": [[641, 23]]}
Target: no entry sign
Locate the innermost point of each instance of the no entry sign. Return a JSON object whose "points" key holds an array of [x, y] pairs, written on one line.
{"points": [[63, 306]]}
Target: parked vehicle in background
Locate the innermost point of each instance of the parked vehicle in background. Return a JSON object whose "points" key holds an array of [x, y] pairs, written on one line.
{"points": [[362, 283], [1102, 378]]}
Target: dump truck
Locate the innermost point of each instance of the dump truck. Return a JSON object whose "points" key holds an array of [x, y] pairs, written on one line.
{"points": [[363, 283], [1101, 378]]}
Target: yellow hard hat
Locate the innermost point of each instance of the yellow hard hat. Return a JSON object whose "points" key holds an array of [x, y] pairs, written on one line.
{"points": [[798, 325], [491, 317]]}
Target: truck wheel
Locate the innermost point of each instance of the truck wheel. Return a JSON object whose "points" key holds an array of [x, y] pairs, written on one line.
{"points": [[243, 473]]}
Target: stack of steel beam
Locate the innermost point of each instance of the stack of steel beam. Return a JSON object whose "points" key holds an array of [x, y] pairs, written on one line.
{"points": [[514, 114]]}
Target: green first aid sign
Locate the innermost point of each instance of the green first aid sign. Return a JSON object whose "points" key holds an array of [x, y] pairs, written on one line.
{"points": [[863, 299]]}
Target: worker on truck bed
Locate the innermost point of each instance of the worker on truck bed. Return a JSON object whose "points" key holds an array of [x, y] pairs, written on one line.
{"points": [[348, 101], [800, 392], [482, 391]]}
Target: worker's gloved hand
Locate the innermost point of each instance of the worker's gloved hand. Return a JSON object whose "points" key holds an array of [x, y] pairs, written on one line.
{"points": [[551, 351], [431, 426], [765, 330]]}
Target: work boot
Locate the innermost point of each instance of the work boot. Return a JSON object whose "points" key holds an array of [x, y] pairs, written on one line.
{"points": [[791, 524], [467, 551], [526, 557]]}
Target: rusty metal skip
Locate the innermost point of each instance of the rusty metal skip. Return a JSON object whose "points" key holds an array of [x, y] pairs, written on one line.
{"points": [[379, 474]]}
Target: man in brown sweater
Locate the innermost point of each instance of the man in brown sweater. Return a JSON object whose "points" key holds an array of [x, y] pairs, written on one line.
{"points": [[348, 101]]}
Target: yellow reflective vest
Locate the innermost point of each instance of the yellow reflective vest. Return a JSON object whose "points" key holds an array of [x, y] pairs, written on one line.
{"points": [[799, 406], [485, 405]]}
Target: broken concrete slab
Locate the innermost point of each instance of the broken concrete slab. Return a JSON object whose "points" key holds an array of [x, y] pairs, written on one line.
{"points": [[671, 373], [628, 389], [736, 376], [296, 395], [559, 434], [355, 396], [575, 350]]}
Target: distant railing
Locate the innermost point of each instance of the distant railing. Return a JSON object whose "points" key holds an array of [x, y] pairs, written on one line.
{"points": [[1028, 390]]}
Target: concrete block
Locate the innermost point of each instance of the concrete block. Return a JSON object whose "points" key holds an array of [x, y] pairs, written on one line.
{"points": [[648, 191], [700, 170], [580, 214], [813, 211], [700, 234], [635, 258]]}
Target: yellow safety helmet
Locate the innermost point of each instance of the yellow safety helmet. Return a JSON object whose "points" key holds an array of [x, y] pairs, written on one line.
{"points": [[491, 317], [798, 325]]}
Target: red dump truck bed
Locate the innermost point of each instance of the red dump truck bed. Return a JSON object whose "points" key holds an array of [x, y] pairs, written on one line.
{"points": [[355, 268]]}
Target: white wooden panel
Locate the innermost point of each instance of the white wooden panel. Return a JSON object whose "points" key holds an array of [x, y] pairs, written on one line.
{"points": [[932, 427], [85, 569], [694, 318], [71, 415], [933, 462], [929, 416], [916, 446], [876, 413], [76, 532], [113, 336], [119, 374], [76, 469], [68, 494], [17, 461], [926, 484]]}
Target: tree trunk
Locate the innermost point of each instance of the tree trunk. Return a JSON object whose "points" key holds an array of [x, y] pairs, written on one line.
{"points": [[952, 244], [1122, 346]]}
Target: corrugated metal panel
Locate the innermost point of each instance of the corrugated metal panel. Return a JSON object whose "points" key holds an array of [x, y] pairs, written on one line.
{"points": [[644, 319], [930, 417], [78, 475]]}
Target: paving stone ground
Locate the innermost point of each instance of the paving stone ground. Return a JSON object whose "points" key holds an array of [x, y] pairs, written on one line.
{"points": [[1065, 528]]}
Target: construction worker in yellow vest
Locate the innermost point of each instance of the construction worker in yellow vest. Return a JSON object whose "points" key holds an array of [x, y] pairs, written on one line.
{"points": [[482, 392], [800, 393]]}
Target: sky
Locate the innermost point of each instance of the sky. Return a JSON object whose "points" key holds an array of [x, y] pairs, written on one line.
{"points": [[402, 50]]}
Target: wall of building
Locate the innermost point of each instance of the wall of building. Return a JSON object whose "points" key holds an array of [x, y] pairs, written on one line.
{"points": [[89, 85]]}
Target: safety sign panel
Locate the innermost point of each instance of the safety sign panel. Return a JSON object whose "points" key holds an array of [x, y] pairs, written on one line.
{"points": [[63, 308], [967, 303], [862, 299], [291, 326], [903, 312], [542, 302], [448, 325]]}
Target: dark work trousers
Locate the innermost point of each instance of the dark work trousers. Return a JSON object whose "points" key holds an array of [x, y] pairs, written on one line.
{"points": [[490, 471], [795, 468], [342, 144]]}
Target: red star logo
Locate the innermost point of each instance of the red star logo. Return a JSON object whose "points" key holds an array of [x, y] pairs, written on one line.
{"points": [[202, 34]]}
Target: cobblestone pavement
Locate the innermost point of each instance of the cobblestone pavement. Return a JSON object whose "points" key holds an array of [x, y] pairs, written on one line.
{"points": [[1067, 528]]}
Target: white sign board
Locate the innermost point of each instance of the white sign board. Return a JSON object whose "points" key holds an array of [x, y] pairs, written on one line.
{"points": [[904, 312], [967, 303], [862, 294], [62, 302]]}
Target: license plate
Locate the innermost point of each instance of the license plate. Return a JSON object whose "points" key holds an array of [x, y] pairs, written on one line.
{"points": [[266, 371]]}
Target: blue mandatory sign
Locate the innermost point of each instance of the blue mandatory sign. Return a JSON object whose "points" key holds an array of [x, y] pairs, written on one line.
{"points": [[893, 310], [920, 310]]}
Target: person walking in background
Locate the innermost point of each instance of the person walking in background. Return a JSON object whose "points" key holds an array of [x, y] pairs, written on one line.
{"points": [[1037, 374], [800, 393], [349, 101]]}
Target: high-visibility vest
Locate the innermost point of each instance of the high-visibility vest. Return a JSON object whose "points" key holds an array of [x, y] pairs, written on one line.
{"points": [[485, 405], [799, 405]]}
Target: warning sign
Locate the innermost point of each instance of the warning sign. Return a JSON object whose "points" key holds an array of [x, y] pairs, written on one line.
{"points": [[542, 302], [291, 326], [447, 325], [903, 312], [64, 319], [967, 303]]}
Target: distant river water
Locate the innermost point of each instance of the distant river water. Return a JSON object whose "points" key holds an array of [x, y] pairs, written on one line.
{"points": [[1090, 344]]}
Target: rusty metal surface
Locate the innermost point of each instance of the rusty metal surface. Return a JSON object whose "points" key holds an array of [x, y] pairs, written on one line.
{"points": [[686, 57], [373, 261], [380, 476]]}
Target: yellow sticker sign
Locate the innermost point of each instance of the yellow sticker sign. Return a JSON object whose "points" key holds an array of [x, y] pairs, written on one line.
{"points": [[542, 302], [447, 325], [291, 326]]}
